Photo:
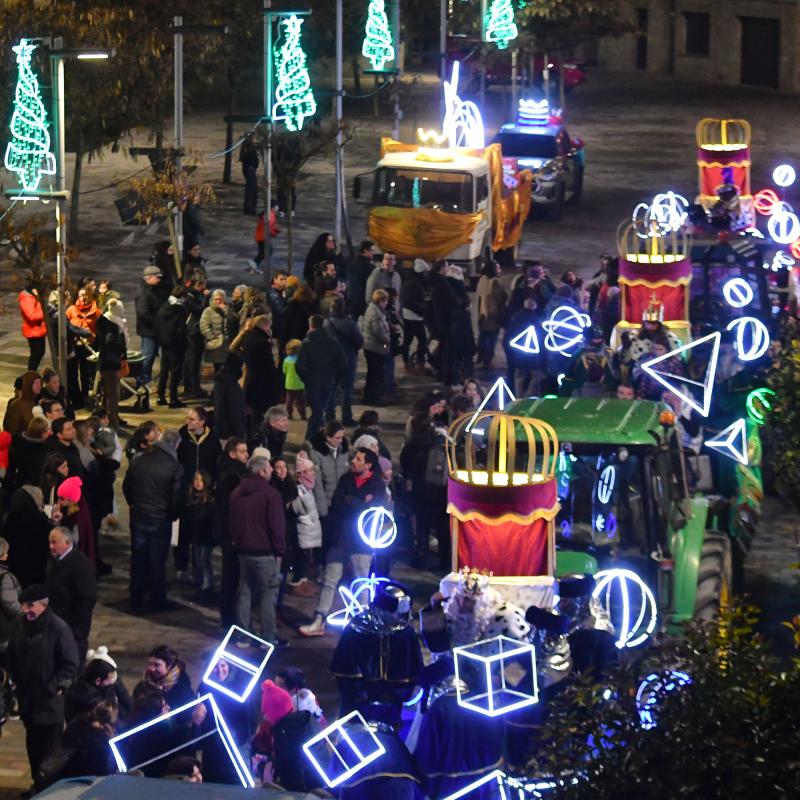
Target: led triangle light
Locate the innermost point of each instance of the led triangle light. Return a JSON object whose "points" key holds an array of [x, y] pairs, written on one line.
{"points": [[673, 382], [732, 442], [504, 397], [527, 341]]}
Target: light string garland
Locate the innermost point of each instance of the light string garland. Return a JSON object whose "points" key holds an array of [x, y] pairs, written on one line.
{"points": [[28, 153], [377, 46], [294, 100]]}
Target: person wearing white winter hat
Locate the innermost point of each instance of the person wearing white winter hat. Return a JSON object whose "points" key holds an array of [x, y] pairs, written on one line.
{"points": [[100, 654], [368, 441]]}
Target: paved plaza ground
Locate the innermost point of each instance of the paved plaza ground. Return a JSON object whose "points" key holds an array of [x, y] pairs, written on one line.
{"points": [[639, 134]]}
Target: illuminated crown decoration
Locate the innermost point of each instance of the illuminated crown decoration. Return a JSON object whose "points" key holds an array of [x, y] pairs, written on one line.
{"points": [[723, 156], [723, 135], [497, 449], [664, 248]]}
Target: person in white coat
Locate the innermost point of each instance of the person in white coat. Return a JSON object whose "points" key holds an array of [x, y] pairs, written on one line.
{"points": [[310, 495]]}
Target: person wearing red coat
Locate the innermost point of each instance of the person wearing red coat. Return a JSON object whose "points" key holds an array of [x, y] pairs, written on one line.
{"points": [[34, 328]]}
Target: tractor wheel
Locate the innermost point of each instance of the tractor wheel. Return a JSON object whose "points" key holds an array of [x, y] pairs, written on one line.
{"points": [[714, 576]]}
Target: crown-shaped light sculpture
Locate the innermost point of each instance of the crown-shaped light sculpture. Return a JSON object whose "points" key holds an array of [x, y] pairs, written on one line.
{"points": [[723, 135]]}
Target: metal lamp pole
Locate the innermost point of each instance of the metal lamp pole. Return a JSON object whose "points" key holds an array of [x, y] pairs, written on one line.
{"points": [[268, 123], [339, 153], [177, 23]]}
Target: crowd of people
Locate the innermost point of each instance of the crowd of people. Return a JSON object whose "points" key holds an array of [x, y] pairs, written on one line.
{"points": [[282, 514]]}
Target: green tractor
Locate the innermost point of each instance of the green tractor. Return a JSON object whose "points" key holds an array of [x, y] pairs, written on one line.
{"points": [[631, 496]]}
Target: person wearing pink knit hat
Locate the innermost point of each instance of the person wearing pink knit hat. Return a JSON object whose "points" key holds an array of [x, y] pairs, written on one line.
{"points": [[70, 489]]}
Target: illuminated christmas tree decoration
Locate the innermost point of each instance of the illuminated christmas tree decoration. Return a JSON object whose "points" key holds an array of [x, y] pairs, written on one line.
{"points": [[376, 527], [240, 667], [652, 689], [760, 396], [732, 442], [496, 676], [335, 755], [752, 337], [504, 397], [614, 588], [737, 292], [784, 175], [28, 153], [294, 100], [377, 46], [462, 124], [527, 341], [676, 383], [119, 744], [356, 598], [565, 329], [500, 26], [495, 778], [765, 200]]}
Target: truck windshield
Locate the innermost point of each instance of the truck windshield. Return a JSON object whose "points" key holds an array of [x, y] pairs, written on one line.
{"points": [[421, 188], [527, 145]]}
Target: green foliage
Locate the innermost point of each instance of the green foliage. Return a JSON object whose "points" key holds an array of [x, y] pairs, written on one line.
{"points": [[783, 423], [732, 733]]}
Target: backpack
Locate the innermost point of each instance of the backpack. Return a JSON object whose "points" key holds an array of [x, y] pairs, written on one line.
{"points": [[436, 466]]}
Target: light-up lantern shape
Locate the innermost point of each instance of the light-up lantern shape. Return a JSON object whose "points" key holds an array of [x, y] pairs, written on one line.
{"points": [[502, 494], [496, 676], [655, 268], [723, 156]]}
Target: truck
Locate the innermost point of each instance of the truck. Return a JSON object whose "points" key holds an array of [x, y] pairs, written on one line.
{"points": [[629, 493], [453, 203]]}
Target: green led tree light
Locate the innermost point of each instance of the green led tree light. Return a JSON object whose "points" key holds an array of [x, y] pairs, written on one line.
{"points": [[500, 26], [294, 100], [377, 45], [28, 154]]}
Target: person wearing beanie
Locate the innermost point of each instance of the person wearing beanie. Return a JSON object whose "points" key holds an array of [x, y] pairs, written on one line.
{"points": [[153, 489], [99, 681], [369, 441], [309, 527], [149, 299], [71, 585], [43, 662]]}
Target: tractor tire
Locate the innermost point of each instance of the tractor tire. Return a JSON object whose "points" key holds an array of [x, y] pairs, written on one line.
{"points": [[714, 577]]}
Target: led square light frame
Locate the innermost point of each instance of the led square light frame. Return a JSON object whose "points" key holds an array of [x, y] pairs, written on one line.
{"points": [[495, 776], [486, 702], [336, 749], [254, 670], [221, 727]]}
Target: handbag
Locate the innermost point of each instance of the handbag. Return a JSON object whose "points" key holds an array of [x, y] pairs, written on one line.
{"points": [[124, 368]]}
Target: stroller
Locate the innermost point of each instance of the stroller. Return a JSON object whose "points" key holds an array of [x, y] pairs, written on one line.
{"points": [[127, 385]]}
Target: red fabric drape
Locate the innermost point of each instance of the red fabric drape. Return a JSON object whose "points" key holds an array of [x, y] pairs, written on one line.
{"points": [[509, 548], [637, 299]]}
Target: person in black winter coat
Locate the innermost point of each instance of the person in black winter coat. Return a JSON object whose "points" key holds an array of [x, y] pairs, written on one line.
{"points": [[320, 365], [346, 332], [27, 455], [231, 468], [415, 310], [152, 487], [517, 360], [195, 301], [460, 348], [299, 311], [199, 447], [171, 327], [112, 344], [27, 529], [263, 382], [229, 405], [323, 249], [168, 672], [99, 681], [43, 663], [72, 587], [149, 298], [272, 432], [359, 273], [276, 298]]}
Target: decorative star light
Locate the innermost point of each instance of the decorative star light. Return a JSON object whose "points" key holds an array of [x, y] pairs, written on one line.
{"points": [[565, 329], [761, 396], [732, 442], [527, 341], [624, 590], [503, 395], [675, 383], [754, 331], [356, 598]]}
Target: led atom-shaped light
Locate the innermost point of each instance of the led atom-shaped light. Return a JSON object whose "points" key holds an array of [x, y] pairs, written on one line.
{"points": [[759, 397], [752, 337], [764, 201], [652, 689], [784, 175], [783, 225], [376, 527], [629, 603], [356, 598], [737, 292], [565, 329], [732, 442]]}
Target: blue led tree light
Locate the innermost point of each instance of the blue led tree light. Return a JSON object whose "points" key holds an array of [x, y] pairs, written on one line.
{"points": [[294, 99], [118, 743], [28, 153], [334, 754], [250, 671]]}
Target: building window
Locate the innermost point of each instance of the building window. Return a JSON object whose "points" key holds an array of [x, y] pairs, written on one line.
{"points": [[698, 33]]}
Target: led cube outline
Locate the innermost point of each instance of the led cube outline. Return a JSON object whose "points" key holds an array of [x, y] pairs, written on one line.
{"points": [[519, 649], [239, 765], [339, 727], [246, 666], [495, 775]]}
